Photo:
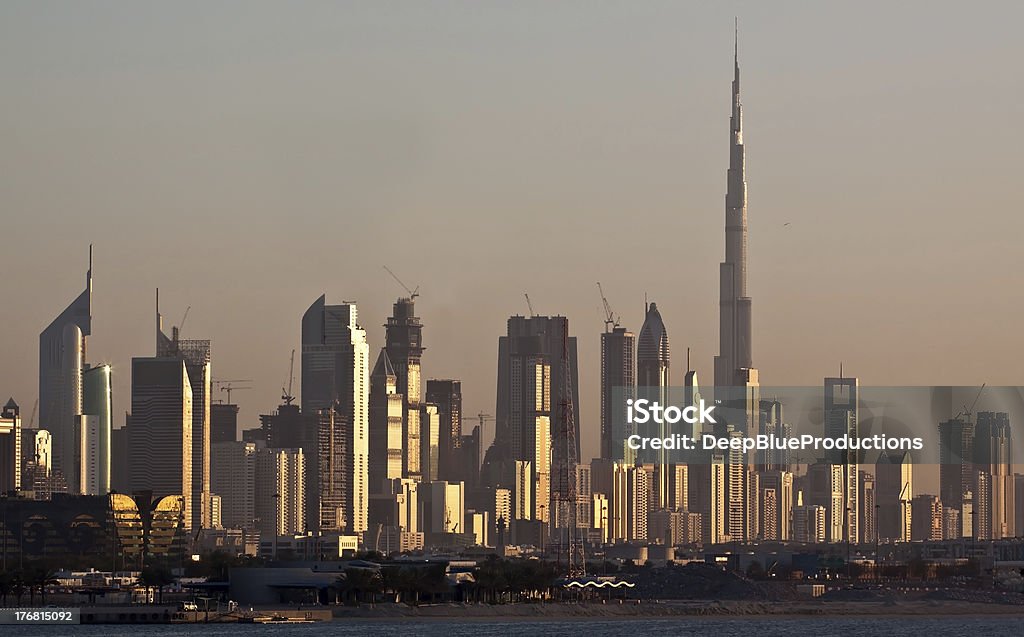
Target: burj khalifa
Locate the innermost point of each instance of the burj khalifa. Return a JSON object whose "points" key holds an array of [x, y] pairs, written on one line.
{"points": [[734, 363]]}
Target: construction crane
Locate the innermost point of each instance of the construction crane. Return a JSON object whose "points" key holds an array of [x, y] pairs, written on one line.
{"points": [[228, 386], [286, 394], [529, 305], [412, 293], [181, 325], [610, 320], [969, 411], [32, 419]]}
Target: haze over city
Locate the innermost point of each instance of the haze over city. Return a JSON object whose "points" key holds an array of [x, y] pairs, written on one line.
{"points": [[245, 158]]}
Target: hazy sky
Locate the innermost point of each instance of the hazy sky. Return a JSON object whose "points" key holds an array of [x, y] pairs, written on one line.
{"points": [[246, 157]]}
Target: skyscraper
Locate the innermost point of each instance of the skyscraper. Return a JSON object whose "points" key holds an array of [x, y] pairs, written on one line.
{"points": [[956, 460], [894, 493], [160, 433], [734, 304], [223, 423], [652, 383], [335, 375], [195, 354], [992, 455], [94, 431], [386, 407], [618, 382], [841, 414], [447, 395], [403, 336], [62, 348], [10, 448], [529, 424]]}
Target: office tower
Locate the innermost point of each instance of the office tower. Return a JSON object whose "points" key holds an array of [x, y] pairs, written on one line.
{"points": [[386, 408], [233, 479], [618, 382], [734, 304], [956, 460], [531, 398], [894, 492], [825, 488], [716, 529], [444, 511], [951, 527], [523, 491], [160, 433], [62, 348], [629, 503], [430, 441], [841, 414], [94, 432], [223, 424], [868, 510], [773, 424], [992, 455], [10, 447], [403, 337], [652, 383], [278, 491], [776, 489], [446, 394], [679, 487], [196, 356], [502, 508], [926, 516], [335, 375]]}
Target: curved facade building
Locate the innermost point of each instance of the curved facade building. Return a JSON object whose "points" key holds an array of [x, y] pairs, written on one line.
{"points": [[652, 382]]}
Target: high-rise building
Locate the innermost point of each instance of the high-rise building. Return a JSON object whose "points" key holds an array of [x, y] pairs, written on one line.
{"points": [[993, 455], [618, 382], [531, 398], [774, 424], [776, 490], [868, 506], [403, 336], [734, 303], [956, 460], [894, 492], [652, 383], [195, 354], [444, 511], [94, 431], [223, 423], [62, 348], [386, 409], [926, 516], [629, 503], [447, 395], [841, 414], [10, 447], [335, 375], [233, 479], [430, 441], [278, 491], [160, 432]]}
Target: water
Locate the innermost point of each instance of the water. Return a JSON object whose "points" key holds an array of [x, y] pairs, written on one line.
{"points": [[729, 627]]}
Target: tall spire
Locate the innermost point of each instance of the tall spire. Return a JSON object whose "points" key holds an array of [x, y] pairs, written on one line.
{"points": [[734, 304]]}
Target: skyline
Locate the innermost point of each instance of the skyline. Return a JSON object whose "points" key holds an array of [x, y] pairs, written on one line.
{"points": [[447, 283]]}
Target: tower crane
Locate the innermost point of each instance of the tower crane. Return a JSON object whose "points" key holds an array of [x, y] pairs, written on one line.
{"points": [[610, 320], [529, 305], [286, 394], [228, 385], [969, 411], [412, 293]]}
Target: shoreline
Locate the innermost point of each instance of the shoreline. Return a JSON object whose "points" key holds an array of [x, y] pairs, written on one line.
{"points": [[675, 610]]}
